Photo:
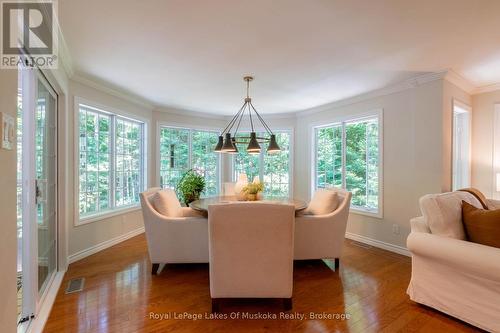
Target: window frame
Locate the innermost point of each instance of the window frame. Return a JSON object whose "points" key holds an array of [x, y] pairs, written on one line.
{"points": [[467, 110], [290, 131], [114, 114], [190, 128], [343, 120]]}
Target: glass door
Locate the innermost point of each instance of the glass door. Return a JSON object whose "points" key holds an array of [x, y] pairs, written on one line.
{"points": [[37, 191], [45, 182]]}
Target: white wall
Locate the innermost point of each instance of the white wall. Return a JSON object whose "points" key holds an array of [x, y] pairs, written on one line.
{"points": [[412, 161], [8, 233], [483, 116], [83, 237]]}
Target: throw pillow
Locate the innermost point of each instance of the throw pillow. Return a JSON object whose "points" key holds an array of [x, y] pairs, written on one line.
{"points": [[166, 203], [323, 202], [481, 226]]}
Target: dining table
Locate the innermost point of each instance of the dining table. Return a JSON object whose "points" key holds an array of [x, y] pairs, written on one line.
{"points": [[202, 204]]}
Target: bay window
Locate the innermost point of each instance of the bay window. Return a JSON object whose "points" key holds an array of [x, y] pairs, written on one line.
{"points": [[271, 169], [348, 156], [182, 149], [111, 161]]}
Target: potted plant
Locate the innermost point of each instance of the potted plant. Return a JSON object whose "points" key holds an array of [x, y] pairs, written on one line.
{"points": [[252, 190], [190, 187]]}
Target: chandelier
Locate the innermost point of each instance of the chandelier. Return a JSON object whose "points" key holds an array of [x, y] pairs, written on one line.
{"points": [[227, 142]]}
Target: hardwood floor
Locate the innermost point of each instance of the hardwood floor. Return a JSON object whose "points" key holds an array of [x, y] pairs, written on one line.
{"points": [[121, 295]]}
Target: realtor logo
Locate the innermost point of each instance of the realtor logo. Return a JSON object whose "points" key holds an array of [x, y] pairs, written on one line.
{"points": [[28, 34]]}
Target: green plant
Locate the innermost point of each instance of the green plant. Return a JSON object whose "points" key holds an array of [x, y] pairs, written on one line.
{"points": [[190, 186], [253, 188]]}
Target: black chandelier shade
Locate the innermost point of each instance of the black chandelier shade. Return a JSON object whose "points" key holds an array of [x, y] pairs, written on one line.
{"points": [[227, 143]]}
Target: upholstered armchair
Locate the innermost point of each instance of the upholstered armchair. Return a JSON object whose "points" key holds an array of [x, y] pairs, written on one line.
{"points": [[180, 239], [322, 236], [251, 251], [450, 274]]}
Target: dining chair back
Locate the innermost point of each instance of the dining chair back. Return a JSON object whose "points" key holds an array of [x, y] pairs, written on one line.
{"points": [[251, 251]]}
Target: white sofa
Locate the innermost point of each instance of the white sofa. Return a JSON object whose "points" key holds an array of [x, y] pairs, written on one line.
{"points": [[322, 236], [251, 251], [174, 239], [450, 274]]}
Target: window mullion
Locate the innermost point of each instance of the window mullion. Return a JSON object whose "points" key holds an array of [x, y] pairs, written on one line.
{"points": [[190, 150], [344, 158], [112, 162], [366, 163]]}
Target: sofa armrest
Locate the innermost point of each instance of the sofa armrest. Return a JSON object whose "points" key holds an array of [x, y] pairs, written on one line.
{"points": [[418, 224], [466, 256], [494, 203]]}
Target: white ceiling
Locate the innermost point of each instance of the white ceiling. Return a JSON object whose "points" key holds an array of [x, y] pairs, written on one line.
{"points": [[303, 53]]}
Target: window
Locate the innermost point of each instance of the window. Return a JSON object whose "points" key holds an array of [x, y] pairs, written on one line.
{"points": [[461, 146], [272, 169], [348, 156], [111, 161], [182, 149]]}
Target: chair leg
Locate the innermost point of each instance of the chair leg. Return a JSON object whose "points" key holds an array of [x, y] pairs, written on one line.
{"points": [[215, 305], [154, 269], [287, 303], [337, 264]]}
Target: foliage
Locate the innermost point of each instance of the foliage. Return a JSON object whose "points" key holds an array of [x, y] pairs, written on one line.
{"points": [[253, 188], [190, 186], [361, 160], [96, 169], [273, 169], [175, 153]]}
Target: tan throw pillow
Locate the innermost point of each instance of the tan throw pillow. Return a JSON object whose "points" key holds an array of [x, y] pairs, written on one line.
{"points": [[323, 202], [481, 226], [167, 204]]}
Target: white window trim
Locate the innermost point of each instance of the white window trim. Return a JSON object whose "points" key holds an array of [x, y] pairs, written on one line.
{"points": [[379, 113], [291, 157], [468, 109], [78, 221], [496, 153], [163, 124]]}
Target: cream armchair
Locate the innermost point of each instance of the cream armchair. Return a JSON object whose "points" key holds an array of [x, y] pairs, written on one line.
{"points": [[322, 236], [174, 239], [450, 274], [251, 251]]}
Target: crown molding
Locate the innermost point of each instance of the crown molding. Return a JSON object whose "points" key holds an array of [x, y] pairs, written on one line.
{"points": [[487, 88], [114, 91], [388, 90], [190, 113], [461, 82]]}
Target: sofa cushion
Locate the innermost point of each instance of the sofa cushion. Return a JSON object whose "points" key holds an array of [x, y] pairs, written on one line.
{"points": [[323, 202], [443, 212], [481, 226], [166, 203]]}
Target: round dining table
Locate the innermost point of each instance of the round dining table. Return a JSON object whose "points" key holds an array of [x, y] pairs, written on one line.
{"points": [[202, 204]]}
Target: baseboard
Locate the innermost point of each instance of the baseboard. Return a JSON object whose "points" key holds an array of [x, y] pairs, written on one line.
{"points": [[38, 323], [104, 245], [382, 245]]}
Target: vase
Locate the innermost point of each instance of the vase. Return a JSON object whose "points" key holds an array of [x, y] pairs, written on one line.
{"points": [[251, 197], [240, 184]]}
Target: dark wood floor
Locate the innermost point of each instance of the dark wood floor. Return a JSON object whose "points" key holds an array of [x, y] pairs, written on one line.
{"points": [[120, 295]]}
